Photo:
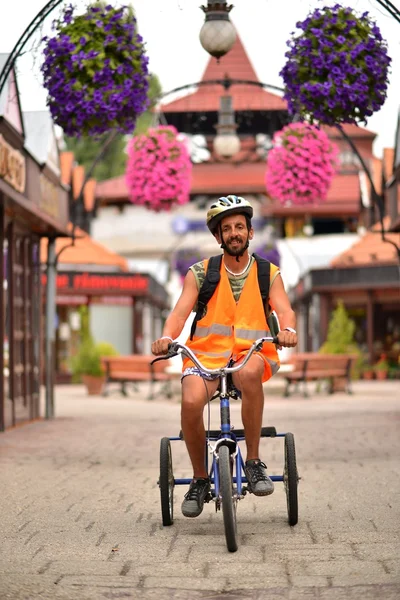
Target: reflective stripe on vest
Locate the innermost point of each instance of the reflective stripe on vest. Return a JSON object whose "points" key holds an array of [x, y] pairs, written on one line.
{"points": [[226, 354], [216, 328], [252, 334]]}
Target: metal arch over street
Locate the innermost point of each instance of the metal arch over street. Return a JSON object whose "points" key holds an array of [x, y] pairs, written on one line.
{"points": [[227, 82], [50, 6], [29, 31], [390, 8]]}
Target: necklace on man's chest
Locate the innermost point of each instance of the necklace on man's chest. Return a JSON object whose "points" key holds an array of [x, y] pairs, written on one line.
{"points": [[241, 272]]}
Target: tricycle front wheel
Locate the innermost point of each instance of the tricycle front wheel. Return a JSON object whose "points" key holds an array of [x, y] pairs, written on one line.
{"points": [[229, 499]]}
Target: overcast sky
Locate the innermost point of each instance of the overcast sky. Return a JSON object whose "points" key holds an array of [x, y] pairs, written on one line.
{"points": [[171, 31]]}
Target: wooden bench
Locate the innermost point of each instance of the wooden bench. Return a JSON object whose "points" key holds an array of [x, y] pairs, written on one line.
{"points": [[313, 366], [134, 369]]}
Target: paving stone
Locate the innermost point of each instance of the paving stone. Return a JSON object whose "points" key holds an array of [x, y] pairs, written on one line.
{"points": [[184, 583], [250, 582], [81, 516], [247, 570]]}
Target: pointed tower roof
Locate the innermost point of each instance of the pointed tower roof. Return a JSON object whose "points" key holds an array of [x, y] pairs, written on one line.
{"points": [[236, 65], [10, 105]]}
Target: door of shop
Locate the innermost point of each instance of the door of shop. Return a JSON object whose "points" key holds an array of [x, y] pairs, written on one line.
{"points": [[21, 325]]}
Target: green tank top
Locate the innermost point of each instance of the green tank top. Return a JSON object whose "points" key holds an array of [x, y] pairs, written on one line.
{"points": [[236, 283]]}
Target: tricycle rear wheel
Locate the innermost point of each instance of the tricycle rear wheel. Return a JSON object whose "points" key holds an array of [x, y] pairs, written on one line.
{"points": [[166, 482], [290, 479]]}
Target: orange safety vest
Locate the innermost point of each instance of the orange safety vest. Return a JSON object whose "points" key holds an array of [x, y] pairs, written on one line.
{"points": [[228, 329]]}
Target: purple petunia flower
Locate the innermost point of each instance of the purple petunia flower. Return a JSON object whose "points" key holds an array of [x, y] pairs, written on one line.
{"points": [[87, 96], [329, 50]]}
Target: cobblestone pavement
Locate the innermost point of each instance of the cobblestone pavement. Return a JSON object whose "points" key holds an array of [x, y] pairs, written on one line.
{"points": [[80, 510]]}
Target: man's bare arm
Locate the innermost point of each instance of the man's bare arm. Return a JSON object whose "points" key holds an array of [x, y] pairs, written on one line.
{"points": [[287, 318], [177, 318]]}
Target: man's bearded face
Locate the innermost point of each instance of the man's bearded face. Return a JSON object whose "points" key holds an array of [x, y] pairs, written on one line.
{"points": [[235, 234]]}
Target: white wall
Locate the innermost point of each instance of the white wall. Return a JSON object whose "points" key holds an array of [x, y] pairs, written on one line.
{"points": [[112, 324], [138, 233], [299, 255]]}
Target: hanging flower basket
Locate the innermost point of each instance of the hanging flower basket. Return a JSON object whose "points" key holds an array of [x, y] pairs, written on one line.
{"points": [[158, 171], [95, 71], [301, 165], [337, 69], [185, 258]]}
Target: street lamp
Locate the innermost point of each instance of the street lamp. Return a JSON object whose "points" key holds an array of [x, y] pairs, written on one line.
{"points": [[226, 142], [217, 35]]}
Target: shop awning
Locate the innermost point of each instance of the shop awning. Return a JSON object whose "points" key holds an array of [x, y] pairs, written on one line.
{"points": [[85, 253]]}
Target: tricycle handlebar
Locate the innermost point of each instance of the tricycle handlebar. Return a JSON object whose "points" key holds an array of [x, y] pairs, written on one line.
{"points": [[176, 348]]}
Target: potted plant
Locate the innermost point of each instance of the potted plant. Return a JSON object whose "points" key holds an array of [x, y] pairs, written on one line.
{"points": [[367, 371], [381, 368], [87, 364]]}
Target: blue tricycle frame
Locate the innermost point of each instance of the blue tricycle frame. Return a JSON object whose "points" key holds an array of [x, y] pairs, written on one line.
{"points": [[226, 471]]}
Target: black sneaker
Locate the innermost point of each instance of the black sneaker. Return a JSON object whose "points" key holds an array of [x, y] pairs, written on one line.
{"points": [[258, 481], [192, 505]]}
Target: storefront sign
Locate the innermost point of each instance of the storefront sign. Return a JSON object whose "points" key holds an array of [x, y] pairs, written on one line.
{"points": [[112, 300], [96, 284], [49, 199], [12, 166]]}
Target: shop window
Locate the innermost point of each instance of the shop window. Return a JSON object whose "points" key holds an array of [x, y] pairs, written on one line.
{"points": [[328, 226]]}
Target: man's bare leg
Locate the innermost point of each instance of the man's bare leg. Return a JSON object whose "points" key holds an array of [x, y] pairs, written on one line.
{"points": [[249, 381], [195, 394]]}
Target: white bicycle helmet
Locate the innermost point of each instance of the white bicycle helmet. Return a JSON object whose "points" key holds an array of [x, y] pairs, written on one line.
{"points": [[224, 206]]}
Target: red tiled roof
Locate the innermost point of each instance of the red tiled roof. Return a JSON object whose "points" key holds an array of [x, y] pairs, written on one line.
{"points": [[352, 130], [343, 200], [216, 178], [236, 64], [112, 189], [369, 250], [85, 251]]}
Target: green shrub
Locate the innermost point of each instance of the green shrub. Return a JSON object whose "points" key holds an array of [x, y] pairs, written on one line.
{"points": [[86, 361], [106, 349], [340, 338]]}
